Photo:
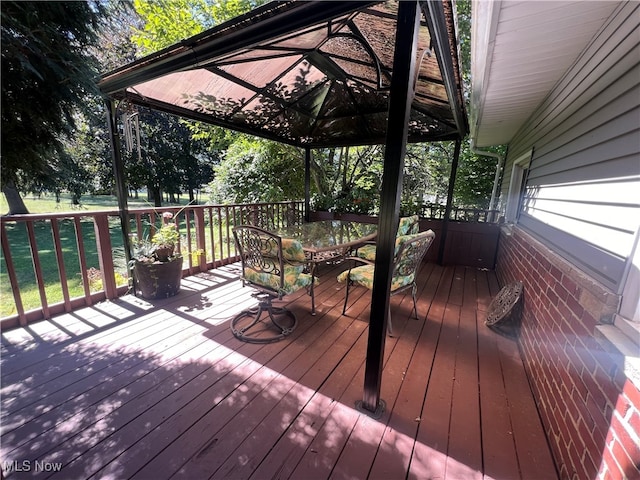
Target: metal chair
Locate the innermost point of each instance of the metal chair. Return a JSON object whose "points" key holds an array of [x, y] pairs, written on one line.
{"points": [[407, 226], [410, 250], [275, 267]]}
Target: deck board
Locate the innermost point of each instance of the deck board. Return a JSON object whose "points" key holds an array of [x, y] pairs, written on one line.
{"points": [[137, 389]]}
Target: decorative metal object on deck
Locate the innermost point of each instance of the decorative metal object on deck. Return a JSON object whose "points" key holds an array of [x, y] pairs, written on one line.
{"points": [[275, 267], [254, 326], [505, 306]]}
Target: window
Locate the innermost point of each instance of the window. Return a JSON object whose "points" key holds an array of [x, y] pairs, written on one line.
{"points": [[517, 186]]}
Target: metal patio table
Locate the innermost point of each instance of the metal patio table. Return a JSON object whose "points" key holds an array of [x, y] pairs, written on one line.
{"points": [[328, 240]]}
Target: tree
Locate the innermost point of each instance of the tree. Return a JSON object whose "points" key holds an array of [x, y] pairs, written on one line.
{"points": [[90, 148], [168, 159], [46, 74], [168, 21], [476, 173], [257, 170], [348, 179], [426, 177]]}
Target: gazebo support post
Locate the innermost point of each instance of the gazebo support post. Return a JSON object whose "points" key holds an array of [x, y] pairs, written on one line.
{"points": [[118, 172], [400, 98], [447, 209]]}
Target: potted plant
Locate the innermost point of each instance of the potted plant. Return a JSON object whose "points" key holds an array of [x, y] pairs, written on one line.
{"points": [[166, 238], [156, 265]]}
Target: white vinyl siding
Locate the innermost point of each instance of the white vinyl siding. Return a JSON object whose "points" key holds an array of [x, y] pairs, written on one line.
{"points": [[583, 185], [600, 213]]}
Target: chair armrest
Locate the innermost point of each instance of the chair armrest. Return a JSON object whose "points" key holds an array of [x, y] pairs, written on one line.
{"points": [[354, 250], [359, 259]]}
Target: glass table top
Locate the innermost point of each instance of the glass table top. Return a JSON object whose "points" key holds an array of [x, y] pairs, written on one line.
{"points": [[329, 234]]}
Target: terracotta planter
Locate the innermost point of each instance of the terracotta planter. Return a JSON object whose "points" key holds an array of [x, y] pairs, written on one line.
{"points": [[158, 280]]}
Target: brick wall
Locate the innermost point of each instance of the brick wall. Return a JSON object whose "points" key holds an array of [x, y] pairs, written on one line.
{"points": [[589, 408]]}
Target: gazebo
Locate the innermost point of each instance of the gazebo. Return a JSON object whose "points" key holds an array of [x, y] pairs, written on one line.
{"points": [[313, 75]]}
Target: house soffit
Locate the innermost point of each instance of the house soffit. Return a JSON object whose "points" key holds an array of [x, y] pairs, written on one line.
{"points": [[520, 51]]}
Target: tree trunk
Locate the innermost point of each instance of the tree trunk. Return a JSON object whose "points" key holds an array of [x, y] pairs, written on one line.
{"points": [[156, 196], [344, 161], [14, 200]]}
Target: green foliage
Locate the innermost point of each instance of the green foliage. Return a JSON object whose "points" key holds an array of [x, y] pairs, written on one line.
{"points": [[426, 175], [347, 179], [166, 236], [168, 21], [353, 177], [181, 154], [258, 170], [115, 47], [53, 121], [475, 178], [90, 155], [46, 74], [463, 11], [158, 242], [169, 159]]}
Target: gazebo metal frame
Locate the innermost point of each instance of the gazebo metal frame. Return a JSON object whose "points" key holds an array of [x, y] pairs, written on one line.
{"points": [[317, 74]]}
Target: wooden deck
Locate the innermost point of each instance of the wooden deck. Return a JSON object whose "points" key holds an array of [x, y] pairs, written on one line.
{"points": [[130, 389]]}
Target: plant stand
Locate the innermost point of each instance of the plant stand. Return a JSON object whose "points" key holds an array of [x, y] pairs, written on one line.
{"points": [[158, 280]]}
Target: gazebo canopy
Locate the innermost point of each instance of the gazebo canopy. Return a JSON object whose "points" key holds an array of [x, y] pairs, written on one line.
{"points": [[310, 74]]}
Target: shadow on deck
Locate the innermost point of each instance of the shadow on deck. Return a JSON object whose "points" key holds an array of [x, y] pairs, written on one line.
{"points": [[131, 389]]}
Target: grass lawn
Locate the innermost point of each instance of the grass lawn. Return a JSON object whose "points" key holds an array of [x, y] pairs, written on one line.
{"points": [[48, 204]]}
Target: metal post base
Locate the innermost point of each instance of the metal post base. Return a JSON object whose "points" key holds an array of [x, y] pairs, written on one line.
{"points": [[377, 414], [253, 326]]}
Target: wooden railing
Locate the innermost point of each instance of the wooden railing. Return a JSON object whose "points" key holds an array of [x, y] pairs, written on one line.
{"points": [[57, 262], [436, 211]]}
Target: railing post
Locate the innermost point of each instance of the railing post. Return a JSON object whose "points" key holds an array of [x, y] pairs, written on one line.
{"points": [[62, 271], [201, 244], [13, 278], [37, 269], [82, 259], [105, 258]]}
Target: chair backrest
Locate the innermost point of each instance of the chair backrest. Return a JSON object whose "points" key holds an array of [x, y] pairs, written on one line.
{"points": [[411, 251], [261, 252], [408, 225], [267, 258]]}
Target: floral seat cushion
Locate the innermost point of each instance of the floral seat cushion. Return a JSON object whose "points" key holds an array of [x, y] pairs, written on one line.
{"points": [[266, 275], [402, 276], [292, 250], [407, 226], [363, 275], [294, 279], [368, 252]]}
